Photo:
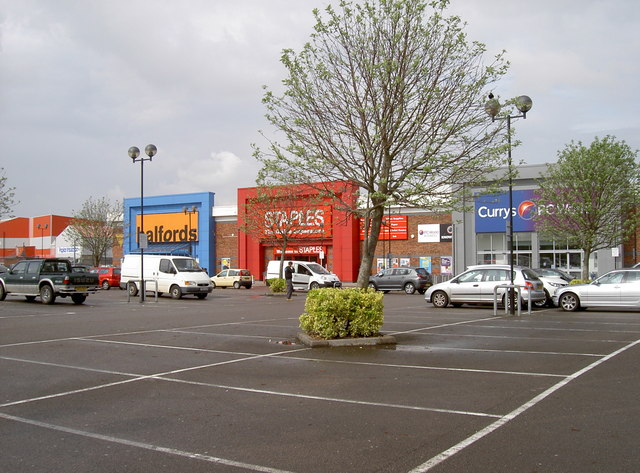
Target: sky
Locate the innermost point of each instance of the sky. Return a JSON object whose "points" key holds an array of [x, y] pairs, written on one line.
{"points": [[81, 81]]}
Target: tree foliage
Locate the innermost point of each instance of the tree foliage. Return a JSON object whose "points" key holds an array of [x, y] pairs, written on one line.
{"points": [[387, 94], [7, 195], [590, 196], [96, 226]]}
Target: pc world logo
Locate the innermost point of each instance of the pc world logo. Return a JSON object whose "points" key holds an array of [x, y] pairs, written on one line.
{"points": [[527, 210]]}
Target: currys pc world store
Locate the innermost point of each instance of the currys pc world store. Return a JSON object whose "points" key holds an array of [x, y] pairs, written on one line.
{"points": [[482, 233]]}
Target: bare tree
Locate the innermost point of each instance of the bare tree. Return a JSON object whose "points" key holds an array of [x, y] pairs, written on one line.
{"points": [[96, 226], [7, 195], [590, 196], [389, 95]]}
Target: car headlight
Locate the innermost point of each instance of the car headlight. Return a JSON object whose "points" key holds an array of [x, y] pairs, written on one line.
{"points": [[556, 284], [190, 283]]}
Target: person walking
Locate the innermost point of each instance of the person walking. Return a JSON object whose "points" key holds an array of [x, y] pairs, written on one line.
{"points": [[288, 278]]}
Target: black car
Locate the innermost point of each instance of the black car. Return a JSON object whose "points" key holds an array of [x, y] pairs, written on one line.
{"points": [[3, 269], [408, 280]]}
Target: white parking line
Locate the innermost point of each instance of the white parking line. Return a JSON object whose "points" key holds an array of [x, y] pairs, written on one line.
{"points": [[146, 446], [436, 460]]}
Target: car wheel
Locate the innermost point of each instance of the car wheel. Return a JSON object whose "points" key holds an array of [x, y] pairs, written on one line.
{"points": [[440, 299], [133, 289], [78, 298], [3, 293], [545, 302], [409, 288], [201, 296], [248, 286], [421, 291], [213, 284], [175, 292], [314, 285], [30, 298], [569, 302], [47, 295], [105, 285], [372, 286], [236, 285]]}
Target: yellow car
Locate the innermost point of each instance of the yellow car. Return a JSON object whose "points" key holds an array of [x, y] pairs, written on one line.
{"points": [[232, 277]]}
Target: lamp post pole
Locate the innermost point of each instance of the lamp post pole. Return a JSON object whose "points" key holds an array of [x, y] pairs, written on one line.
{"points": [[188, 211], [134, 154], [492, 107], [42, 228]]}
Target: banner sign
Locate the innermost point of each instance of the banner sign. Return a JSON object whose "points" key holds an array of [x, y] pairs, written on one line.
{"points": [[492, 211], [394, 227], [170, 227], [301, 250]]}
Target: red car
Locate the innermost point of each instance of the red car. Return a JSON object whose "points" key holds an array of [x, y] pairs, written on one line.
{"points": [[109, 276]]}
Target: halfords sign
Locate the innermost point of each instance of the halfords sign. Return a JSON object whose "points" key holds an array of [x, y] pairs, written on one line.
{"points": [[169, 228]]}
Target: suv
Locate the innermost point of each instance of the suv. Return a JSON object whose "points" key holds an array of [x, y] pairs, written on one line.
{"points": [[232, 277], [404, 279], [477, 284], [109, 276]]}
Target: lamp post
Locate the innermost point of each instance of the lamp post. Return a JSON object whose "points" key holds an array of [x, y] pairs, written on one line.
{"points": [[42, 228], [134, 154], [492, 107], [189, 211]]}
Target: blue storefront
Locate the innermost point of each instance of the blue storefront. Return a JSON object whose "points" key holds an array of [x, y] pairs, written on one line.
{"points": [[179, 224]]}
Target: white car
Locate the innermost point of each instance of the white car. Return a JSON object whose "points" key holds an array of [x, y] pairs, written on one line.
{"points": [[476, 286], [551, 285], [618, 288]]}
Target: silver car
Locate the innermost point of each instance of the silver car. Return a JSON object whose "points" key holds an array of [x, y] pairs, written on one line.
{"points": [[476, 286], [618, 288]]}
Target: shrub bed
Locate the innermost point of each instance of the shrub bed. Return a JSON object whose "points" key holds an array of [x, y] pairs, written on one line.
{"points": [[342, 313], [277, 284]]}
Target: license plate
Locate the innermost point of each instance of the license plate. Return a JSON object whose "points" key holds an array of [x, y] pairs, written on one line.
{"points": [[81, 288]]}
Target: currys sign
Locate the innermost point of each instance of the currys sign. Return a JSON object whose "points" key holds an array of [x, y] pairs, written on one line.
{"points": [[492, 211]]}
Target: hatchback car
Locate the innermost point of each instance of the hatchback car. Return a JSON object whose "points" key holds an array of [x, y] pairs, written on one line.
{"points": [[551, 284], [109, 276], [616, 289], [408, 280], [554, 273], [477, 284], [233, 278]]}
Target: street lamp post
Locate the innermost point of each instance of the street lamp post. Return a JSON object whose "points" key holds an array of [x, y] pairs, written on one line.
{"points": [[189, 211], [134, 154], [42, 228], [492, 107]]}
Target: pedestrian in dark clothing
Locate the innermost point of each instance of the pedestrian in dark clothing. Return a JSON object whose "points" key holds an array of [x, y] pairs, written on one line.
{"points": [[288, 278]]}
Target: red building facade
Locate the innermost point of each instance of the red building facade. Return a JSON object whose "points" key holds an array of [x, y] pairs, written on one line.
{"points": [[315, 226]]}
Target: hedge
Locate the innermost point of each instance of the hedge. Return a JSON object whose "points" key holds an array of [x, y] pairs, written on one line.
{"points": [[342, 313]]}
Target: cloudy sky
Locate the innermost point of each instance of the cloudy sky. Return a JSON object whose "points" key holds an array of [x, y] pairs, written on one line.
{"points": [[83, 80]]}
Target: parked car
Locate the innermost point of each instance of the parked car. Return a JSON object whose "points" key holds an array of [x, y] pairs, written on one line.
{"points": [[404, 279], [233, 277], [551, 284], [476, 286], [109, 276], [554, 273], [617, 288]]}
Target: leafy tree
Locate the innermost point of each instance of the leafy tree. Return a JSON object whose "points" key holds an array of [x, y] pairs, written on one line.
{"points": [[590, 196], [6, 196], [278, 215], [97, 226], [389, 95]]}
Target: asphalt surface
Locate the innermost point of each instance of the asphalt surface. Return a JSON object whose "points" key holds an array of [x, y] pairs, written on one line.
{"points": [[222, 385]]}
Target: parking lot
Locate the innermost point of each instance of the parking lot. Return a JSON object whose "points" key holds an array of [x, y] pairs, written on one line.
{"points": [[222, 385]]}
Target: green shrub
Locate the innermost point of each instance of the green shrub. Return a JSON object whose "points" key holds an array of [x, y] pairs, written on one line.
{"points": [[277, 284], [341, 313]]}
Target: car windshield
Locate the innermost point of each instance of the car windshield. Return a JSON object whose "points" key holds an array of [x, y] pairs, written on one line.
{"points": [[422, 271], [316, 268], [187, 264]]}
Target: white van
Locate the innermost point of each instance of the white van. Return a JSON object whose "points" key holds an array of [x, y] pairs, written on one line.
{"points": [[306, 275], [176, 275]]}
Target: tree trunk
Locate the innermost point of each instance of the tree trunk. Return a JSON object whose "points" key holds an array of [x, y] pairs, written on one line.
{"points": [[585, 266], [369, 246]]}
